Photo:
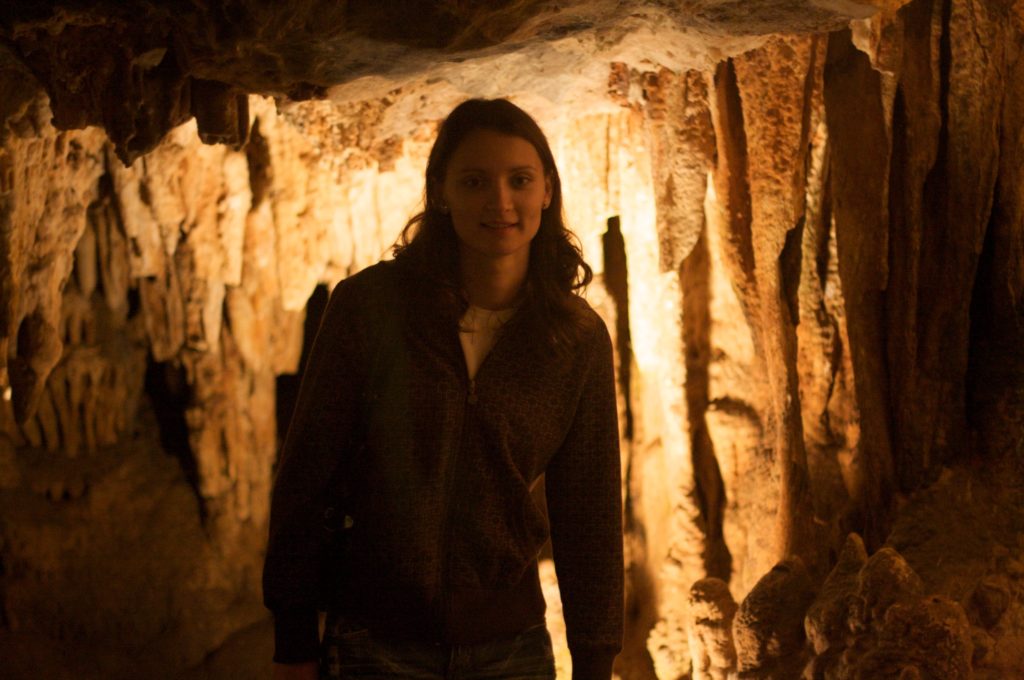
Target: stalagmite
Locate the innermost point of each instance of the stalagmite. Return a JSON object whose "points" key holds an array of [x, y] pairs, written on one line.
{"points": [[828, 617], [768, 628], [712, 610]]}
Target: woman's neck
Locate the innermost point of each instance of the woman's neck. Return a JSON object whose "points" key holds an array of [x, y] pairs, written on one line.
{"points": [[493, 283]]}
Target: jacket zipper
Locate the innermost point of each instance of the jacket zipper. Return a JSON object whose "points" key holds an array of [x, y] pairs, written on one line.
{"points": [[444, 570]]}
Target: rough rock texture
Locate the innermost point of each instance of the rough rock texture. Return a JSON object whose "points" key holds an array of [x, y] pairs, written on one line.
{"points": [[775, 84], [768, 628], [712, 611], [141, 69], [809, 248], [828, 617], [157, 244], [878, 623], [926, 639], [995, 367], [90, 595], [974, 556], [871, 619]]}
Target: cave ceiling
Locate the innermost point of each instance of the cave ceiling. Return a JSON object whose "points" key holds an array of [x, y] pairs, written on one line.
{"points": [[139, 69]]}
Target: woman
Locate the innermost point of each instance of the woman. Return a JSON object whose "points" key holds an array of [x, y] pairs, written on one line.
{"points": [[441, 386]]}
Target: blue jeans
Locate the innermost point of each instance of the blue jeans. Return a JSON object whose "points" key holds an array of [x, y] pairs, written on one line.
{"points": [[351, 651]]}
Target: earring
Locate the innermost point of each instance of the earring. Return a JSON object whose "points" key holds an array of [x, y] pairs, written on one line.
{"points": [[444, 209]]}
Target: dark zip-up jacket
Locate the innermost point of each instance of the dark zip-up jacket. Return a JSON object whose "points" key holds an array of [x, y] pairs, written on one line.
{"points": [[438, 471]]}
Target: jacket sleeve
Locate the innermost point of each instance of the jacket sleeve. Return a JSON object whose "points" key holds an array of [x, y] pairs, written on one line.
{"points": [[583, 486], [321, 426]]}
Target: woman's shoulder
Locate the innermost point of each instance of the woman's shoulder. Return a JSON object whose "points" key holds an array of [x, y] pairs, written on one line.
{"points": [[374, 276], [361, 299], [590, 328], [368, 284], [586, 315]]}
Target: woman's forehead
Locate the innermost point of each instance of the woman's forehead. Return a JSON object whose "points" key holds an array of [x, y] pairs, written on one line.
{"points": [[490, 150]]}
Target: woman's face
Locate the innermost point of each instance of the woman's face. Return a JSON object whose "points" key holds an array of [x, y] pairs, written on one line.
{"points": [[496, 190]]}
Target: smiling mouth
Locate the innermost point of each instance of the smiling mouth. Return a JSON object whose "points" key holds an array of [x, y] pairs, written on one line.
{"points": [[499, 225]]}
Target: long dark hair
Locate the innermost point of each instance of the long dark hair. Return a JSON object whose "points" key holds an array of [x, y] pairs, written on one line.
{"points": [[550, 310]]}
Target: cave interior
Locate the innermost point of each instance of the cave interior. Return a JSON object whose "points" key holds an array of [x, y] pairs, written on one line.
{"points": [[806, 221]]}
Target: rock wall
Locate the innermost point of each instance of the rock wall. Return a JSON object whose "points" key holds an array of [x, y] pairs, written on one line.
{"points": [[811, 259], [848, 382]]}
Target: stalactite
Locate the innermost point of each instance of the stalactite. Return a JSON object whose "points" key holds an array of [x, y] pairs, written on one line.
{"points": [[933, 428], [54, 178], [772, 84], [997, 314], [736, 415], [828, 405], [708, 485], [859, 187], [682, 147]]}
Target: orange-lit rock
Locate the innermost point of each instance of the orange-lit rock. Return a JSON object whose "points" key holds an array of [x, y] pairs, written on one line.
{"points": [[141, 71], [768, 628], [710, 630]]}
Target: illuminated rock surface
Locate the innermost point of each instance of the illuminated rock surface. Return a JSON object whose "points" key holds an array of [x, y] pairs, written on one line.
{"points": [[808, 234]]}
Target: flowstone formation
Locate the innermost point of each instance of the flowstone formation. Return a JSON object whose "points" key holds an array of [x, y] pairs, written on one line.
{"points": [[806, 222]]}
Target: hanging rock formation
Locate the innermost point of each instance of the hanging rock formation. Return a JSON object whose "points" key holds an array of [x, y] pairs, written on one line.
{"points": [[141, 69]]}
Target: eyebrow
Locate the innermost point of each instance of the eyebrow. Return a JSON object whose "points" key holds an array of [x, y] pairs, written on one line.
{"points": [[519, 168]]}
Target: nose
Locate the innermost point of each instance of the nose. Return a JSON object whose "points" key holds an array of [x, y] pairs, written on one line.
{"points": [[500, 197]]}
